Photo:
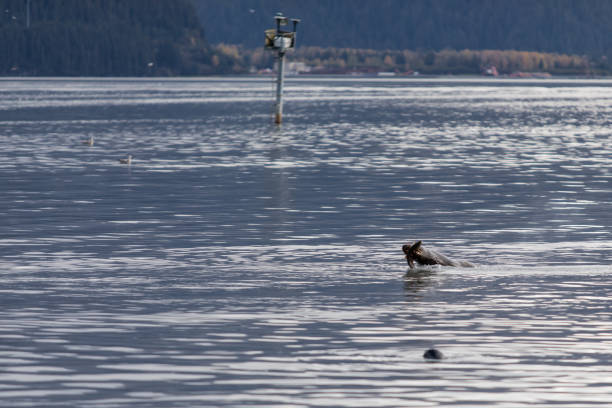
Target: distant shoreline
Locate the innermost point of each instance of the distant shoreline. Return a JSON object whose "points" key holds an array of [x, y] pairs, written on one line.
{"points": [[406, 78]]}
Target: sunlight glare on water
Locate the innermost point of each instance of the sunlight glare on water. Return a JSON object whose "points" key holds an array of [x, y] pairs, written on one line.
{"points": [[239, 264]]}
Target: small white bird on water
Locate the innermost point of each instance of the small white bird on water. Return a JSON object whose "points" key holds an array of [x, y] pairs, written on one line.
{"points": [[89, 142], [127, 161]]}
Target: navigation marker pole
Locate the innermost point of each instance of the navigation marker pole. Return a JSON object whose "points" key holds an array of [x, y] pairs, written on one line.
{"points": [[278, 107], [280, 41]]}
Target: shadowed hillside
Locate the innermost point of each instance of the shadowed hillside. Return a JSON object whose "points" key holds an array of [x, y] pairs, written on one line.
{"points": [[555, 26], [169, 37], [104, 37]]}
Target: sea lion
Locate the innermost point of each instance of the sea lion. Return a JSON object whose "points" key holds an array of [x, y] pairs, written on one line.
{"points": [[416, 253]]}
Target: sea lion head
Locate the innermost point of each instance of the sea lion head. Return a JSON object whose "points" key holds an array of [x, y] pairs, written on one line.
{"points": [[433, 354], [411, 250]]}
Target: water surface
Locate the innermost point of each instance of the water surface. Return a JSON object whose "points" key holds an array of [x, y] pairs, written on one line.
{"points": [[239, 264]]}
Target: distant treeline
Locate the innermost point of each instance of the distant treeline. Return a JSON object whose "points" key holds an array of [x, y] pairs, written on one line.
{"points": [[105, 37], [345, 60]]}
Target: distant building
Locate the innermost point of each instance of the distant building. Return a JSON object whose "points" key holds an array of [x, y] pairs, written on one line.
{"points": [[490, 70], [539, 75], [296, 68]]}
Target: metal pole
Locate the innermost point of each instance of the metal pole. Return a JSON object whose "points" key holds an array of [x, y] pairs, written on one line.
{"points": [[278, 117]]}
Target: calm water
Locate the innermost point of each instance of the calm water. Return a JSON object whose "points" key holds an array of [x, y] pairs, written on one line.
{"points": [[237, 264]]}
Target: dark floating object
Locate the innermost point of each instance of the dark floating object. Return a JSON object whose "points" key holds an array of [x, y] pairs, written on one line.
{"points": [[417, 253], [127, 161], [433, 354]]}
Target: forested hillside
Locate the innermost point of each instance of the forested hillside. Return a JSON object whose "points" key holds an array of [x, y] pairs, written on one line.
{"points": [[104, 37], [557, 26], [199, 37]]}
